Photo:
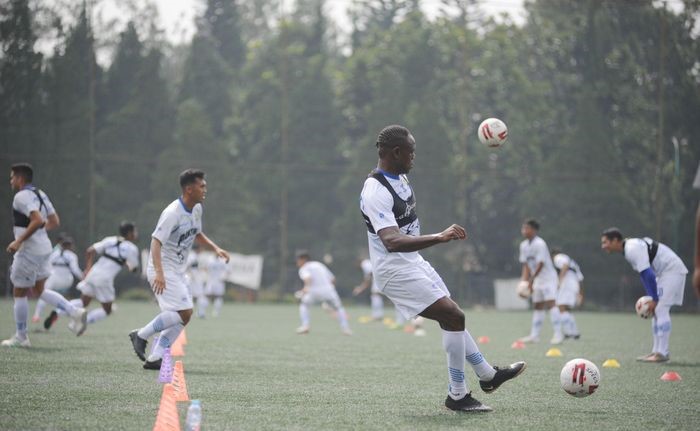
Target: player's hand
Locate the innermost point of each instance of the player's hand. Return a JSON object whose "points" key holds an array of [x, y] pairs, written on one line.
{"points": [[13, 247], [223, 254], [158, 284], [454, 232], [652, 308]]}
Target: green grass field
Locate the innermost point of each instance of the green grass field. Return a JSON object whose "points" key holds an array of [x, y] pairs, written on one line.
{"points": [[252, 372]]}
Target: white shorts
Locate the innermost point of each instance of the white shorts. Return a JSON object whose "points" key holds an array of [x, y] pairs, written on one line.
{"points": [[215, 288], [27, 269], [59, 283], [415, 289], [544, 290], [671, 287], [326, 295], [176, 296], [568, 293], [100, 288], [196, 288]]}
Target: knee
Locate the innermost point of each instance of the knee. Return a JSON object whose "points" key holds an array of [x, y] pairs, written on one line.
{"points": [[107, 308], [454, 320], [185, 315]]}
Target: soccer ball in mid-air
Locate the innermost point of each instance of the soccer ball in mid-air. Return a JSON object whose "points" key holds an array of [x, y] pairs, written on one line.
{"points": [[642, 307], [493, 132], [523, 289], [580, 378]]}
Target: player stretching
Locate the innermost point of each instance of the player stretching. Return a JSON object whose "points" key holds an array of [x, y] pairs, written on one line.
{"points": [[570, 292], [376, 301], [33, 215], [663, 276], [115, 252], [179, 225], [541, 276], [64, 267], [388, 206], [319, 286]]}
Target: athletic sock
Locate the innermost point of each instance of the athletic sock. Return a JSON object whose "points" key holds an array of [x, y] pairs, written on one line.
{"points": [[96, 315], [555, 318], [59, 302], [40, 304], [77, 303], [343, 319], [202, 304], [161, 322], [453, 343], [377, 306], [304, 314], [165, 340], [21, 311], [537, 320], [398, 317], [654, 336], [472, 354], [663, 329], [218, 302], [568, 323]]}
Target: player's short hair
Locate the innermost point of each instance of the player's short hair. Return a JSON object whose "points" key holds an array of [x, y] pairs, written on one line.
{"points": [[393, 135], [66, 240], [23, 170], [532, 223], [303, 254], [555, 250], [612, 233], [190, 176], [126, 227]]}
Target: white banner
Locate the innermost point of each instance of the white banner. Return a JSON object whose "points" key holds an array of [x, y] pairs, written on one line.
{"points": [[245, 270]]}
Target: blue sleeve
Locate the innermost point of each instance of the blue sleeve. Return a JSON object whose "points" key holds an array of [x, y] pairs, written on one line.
{"points": [[649, 281]]}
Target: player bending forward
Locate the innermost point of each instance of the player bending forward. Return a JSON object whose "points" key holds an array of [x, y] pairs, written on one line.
{"points": [[388, 206], [179, 225], [663, 275], [570, 292]]}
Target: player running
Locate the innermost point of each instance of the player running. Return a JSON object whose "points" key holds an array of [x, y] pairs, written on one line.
{"points": [[388, 207], [319, 287], [376, 301], [179, 226], [663, 276], [570, 292], [33, 214], [64, 269], [538, 271]]}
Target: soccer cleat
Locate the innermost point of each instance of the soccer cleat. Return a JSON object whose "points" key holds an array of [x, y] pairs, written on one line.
{"points": [[78, 324], [53, 317], [152, 365], [303, 330], [16, 342], [529, 339], [139, 344], [656, 357], [557, 339], [644, 358], [572, 336], [502, 376], [468, 404]]}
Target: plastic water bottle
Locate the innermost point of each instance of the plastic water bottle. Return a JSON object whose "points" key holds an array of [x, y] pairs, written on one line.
{"points": [[194, 416]]}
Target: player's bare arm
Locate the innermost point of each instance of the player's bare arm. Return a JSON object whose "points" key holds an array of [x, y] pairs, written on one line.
{"points": [[52, 222], [535, 274], [367, 282], [562, 272], [158, 285], [205, 241], [35, 223], [397, 242], [90, 255]]}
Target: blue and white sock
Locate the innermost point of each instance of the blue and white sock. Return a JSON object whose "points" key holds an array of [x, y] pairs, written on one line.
{"points": [[202, 304], [165, 340], [568, 323], [77, 303], [472, 354], [304, 315], [663, 329], [163, 321], [537, 320], [218, 302], [555, 318], [59, 302], [453, 343], [21, 312], [96, 315], [343, 319], [377, 306]]}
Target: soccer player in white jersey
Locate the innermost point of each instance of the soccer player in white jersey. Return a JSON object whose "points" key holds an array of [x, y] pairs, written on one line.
{"points": [[538, 271], [388, 207], [114, 253], [195, 280], [663, 276], [570, 292], [376, 301], [64, 268], [319, 286], [179, 226], [216, 284], [33, 214]]}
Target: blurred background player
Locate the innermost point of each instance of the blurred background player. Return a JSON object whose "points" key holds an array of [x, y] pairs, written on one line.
{"points": [[195, 280], [64, 269], [33, 214], [570, 293], [216, 285], [376, 301], [663, 276], [538, 271], [319, 286], [114, 253], [179, 226], [696, 272]]}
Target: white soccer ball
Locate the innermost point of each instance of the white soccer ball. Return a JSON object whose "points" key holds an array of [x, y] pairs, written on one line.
{"points": [[493, 132], [523, 289], [580, 378], [642, 307]]}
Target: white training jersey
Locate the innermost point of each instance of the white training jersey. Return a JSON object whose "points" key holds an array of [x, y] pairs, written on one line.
{"points": [[25, 202], [64, 264], [636, 252], [176, 230], [216, 270], [317, 275], [366, 266], [535, 251], [113, 250], [574, 272], [376, 203]]}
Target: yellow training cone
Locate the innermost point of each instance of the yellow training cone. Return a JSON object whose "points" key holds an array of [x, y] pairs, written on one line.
{"points": [[553, 353], [611, 363], [364, 319]]}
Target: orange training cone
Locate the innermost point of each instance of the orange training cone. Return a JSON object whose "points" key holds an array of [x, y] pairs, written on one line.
{"points": [[179, 382], [177, 349], [182, 337], [671, 376], [483, 339], [167, 418], [517, 345]]}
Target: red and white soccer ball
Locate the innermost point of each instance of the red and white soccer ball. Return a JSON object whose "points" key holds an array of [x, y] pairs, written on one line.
{"points": [[493, 132], [642, 307], [579, 378]]}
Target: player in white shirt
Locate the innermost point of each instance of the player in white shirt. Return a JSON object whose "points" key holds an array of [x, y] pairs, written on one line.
{"points": [[376, 301], [216, 284], [538, 271], [388, 207], [319, 287], [570, 292], [33, 215], [195, 280], [663, 276], [64, 268], [179, 226]]}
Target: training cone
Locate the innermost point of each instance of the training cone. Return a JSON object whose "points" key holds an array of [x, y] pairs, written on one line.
{"points": [[611, 363], [671, 376], [167, 418], [553, 353], [182, 338], [179, 382], [483, 339], [166, 368], [517, 345], [388, 321], [177, 349], [364, 319]]}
